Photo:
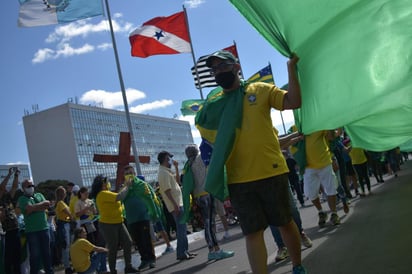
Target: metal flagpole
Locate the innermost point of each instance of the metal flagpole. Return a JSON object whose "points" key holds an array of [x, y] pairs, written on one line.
{"points": [[193, 53], [126, 106]]}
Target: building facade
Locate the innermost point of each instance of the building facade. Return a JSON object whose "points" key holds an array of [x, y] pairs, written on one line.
{"points": [[62, 141]]}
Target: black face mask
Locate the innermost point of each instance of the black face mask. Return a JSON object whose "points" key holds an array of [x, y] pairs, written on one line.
{"points": [[225, 79]]}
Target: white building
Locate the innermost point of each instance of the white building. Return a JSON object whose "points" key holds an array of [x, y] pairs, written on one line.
{"points": [[62, 141]]}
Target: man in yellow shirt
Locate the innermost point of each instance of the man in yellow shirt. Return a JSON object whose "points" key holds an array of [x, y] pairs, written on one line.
{"points": [[360, 163], [318, 171], [256, 169]]}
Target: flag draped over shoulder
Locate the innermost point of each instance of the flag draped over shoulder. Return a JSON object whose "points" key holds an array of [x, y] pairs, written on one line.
{"points": [[218, 123], [205, 78], [146, 193], [161, 35], [35, 13], [263, 75], [353, 68]]}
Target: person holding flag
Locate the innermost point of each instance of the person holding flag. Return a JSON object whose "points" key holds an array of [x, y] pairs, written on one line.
{"points": [[141, 205], [237, 122]]}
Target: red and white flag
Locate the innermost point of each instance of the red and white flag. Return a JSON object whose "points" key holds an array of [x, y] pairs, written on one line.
{"points": [[161, 35]]}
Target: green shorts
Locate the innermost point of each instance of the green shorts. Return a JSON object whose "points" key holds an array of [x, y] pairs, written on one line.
{"points": [[261, 203]]}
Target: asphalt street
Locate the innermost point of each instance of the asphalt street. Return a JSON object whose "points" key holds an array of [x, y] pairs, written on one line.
{"points": [[373, 238]]}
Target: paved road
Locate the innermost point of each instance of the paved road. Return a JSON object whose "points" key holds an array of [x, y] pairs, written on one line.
{"points": [[374, 238]]}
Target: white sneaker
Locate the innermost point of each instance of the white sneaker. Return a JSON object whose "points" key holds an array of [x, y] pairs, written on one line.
{"points": [[282, 254], [306, 241]]}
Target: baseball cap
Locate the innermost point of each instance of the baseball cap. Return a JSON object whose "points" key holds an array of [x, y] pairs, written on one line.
{"points": [[75, 188], [221, 54], [162, 155]]}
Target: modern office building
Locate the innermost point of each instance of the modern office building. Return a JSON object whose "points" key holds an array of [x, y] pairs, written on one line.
{"points": [[62, 141], [24, 173]]}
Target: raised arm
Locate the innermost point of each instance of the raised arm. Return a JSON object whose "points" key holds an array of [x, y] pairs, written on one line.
{"points": [[293, 98]]}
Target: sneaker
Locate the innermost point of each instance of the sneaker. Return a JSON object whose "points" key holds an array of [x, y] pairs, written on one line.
{"points": [[185, 257], [131, 270], [334, 219], [219, 255], [322, 218], [305, 240], [152, 264], [168, 250], [143, 265], [282, 254], [345, 207], [226, 235], [299, 269]]}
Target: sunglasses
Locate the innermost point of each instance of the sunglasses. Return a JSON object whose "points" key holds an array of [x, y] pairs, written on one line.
{"points": [[29, 186]]}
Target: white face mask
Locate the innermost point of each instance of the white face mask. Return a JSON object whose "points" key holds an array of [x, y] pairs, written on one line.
{"points": [[29, 191]]}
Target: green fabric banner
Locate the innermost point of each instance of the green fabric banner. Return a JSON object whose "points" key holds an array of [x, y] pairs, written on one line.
{"points": [[355, 63]]}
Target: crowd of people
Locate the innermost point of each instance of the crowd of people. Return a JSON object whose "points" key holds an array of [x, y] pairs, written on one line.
{"points": [[241, 160]]}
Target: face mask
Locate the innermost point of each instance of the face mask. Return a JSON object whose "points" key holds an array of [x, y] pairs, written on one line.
{"points": [[225, 79], [170, 162], [29, 191], [129, 177], [109, 186]]}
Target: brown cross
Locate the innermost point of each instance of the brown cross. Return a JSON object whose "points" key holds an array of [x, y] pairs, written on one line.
{"points": [[123, 159]]}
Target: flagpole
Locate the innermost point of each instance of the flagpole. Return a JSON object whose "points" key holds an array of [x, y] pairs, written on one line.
{"points": [[126, 106], [193, 53]]}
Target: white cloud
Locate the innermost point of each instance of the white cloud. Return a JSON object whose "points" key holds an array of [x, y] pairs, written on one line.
{"points": [[193, 3], [63, 36], [111, 100], [63, 50], [151, 106], [104, 46]]}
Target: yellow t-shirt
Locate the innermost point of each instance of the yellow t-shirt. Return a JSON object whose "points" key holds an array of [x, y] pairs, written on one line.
{"points": [[80, 254], [60, 212], [72, 204], [110, 210], [358, 156], [256, 154], [317, 150]]}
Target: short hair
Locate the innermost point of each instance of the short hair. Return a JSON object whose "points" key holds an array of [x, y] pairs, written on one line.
{"points": [[162, 156]]}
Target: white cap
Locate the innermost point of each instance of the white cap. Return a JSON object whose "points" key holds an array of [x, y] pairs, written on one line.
{"points": [[75, 188]]}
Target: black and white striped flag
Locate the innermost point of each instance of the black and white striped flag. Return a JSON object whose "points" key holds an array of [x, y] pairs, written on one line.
{"points": [[205, 78]]}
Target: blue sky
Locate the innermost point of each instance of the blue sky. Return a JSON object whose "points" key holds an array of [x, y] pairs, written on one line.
{"points": [[46, 66]]}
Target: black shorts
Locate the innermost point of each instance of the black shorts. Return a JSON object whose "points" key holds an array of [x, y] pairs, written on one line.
{"points": [[261, 203]]}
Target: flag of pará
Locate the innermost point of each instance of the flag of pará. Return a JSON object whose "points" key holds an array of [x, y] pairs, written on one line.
{"points": [[35, 13], [161, 35], [205, 78]]}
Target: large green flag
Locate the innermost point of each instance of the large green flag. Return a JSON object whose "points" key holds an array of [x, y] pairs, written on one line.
{"points": [[355, 67]]}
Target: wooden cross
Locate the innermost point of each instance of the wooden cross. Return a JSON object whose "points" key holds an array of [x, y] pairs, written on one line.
{"points": [[123, 159]]}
